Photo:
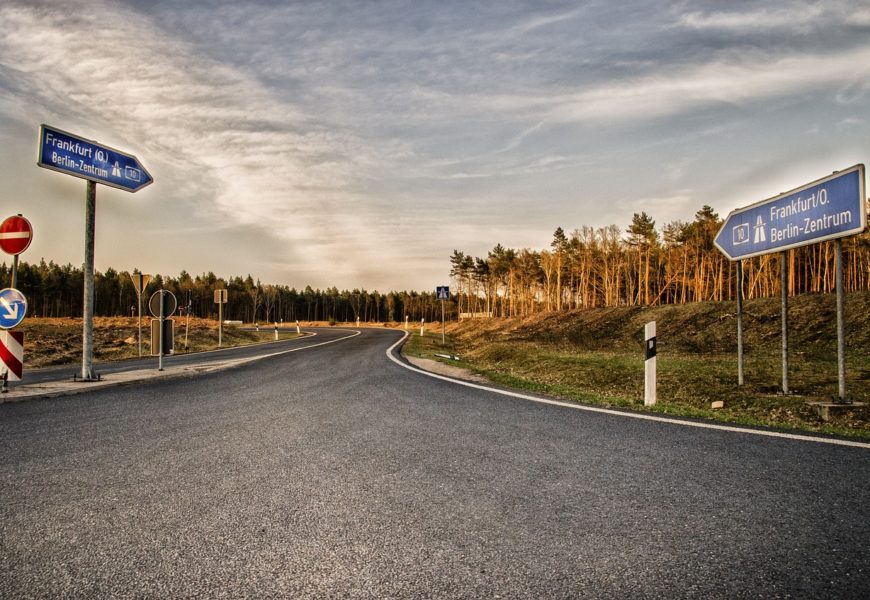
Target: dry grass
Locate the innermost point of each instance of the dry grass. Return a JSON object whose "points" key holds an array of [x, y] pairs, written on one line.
{"points": [[597, 356], [59, 341]]}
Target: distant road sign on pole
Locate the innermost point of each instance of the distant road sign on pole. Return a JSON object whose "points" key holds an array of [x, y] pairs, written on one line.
{"points": [[140, 282], [442, 292], [16, 233], [220, 298], [13, 307], [80, 157], [826, 209]]}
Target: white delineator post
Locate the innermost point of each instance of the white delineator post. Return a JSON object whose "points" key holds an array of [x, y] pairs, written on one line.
{"points": [[649, 386], [422, 325], [298, 331]]}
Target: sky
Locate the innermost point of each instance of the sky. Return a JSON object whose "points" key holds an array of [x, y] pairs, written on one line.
{"points": [[357, 144]]}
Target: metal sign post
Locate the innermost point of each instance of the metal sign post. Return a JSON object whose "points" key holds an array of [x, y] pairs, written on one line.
{"points": [[87, 373], [140, 282], [162, 305], [830, 208], [442, 292], [74, 155], [739, 322], [841, 336], [162, 318], [220, 298], [187, 310]]}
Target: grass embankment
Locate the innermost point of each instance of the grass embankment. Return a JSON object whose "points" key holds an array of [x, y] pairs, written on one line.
{"points": [[596, 356], [59, 341]]}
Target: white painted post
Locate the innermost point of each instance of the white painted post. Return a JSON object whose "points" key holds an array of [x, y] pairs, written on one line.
{"points": [[357, 321], [406, 322], [276, 332], [649, 387], [422, 331], [298, 331]]}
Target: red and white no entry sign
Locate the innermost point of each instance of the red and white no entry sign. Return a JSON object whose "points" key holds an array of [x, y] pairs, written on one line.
{"points": [[15, 235]]}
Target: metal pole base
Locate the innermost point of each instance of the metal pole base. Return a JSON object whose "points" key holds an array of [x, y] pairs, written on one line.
{"points": [[93, 377]]}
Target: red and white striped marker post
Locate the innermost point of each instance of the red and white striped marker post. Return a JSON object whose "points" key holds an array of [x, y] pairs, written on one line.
{"points": [[11, 356]]}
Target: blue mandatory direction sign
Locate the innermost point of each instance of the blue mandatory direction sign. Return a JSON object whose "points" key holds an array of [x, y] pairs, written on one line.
{"points": [[74, 155], [13, 307], [442, 292], [825, 209]]}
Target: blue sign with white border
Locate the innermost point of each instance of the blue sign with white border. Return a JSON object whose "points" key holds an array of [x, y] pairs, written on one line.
{"points": [[442, 292], [13, 307], [825, 209], [68, 153]]}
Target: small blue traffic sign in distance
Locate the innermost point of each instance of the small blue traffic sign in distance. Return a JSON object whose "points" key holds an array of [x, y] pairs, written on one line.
{"points": [[74, 155], [825, 209], [13, 307], [442, 292]]}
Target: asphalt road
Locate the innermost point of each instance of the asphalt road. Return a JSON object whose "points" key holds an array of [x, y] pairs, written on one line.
{"points": [[311, 337], [335, 473]]}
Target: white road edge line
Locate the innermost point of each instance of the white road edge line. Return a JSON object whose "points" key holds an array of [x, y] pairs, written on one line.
{"points": [[630, 415], [253, 358]]}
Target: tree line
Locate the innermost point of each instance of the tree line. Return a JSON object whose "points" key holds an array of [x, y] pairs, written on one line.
{"points": [[54, 290], [588, 268], [641, 266]]}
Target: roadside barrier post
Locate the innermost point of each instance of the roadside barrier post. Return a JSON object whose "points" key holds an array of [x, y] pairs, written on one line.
{"points": [[649, 386], [422, 325], [298, 331], [276, 332]]}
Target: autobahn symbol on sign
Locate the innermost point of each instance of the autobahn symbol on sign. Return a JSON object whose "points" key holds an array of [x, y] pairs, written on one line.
{"points": [[826, 209], [16, 233], [13, 307], [80, 157], [442, 292]]}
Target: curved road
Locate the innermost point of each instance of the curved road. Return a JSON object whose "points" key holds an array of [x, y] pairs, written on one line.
{"points": [[334, 472], [310, 337]]}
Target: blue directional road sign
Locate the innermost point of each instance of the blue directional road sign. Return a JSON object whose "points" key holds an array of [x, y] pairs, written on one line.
{"points": [[74, 155], [13, 307], [442, 292], [825, 209]]}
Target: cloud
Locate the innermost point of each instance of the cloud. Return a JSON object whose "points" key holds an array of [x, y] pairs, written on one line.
{"points": [[339, 132]]}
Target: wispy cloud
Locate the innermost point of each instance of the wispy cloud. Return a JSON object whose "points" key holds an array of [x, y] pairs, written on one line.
{"points": [[339, 131]]}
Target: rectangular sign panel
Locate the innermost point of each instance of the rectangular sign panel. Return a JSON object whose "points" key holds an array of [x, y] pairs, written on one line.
{"points": [[442, 292], [825, 209], [77, 156]]}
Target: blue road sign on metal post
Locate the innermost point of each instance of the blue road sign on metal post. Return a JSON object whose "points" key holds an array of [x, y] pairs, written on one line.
{"points": [[74, 155], [826, 209], [13, 307], [442, 292]]}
